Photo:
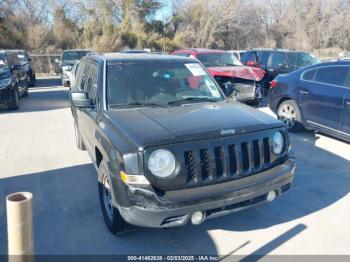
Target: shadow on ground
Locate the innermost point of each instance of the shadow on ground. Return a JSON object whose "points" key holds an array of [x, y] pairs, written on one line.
{"points": [[68, 218], [46, 95]]}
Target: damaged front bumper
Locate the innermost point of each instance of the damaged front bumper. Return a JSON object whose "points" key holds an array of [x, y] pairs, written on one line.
{"points": [[175, 208]]}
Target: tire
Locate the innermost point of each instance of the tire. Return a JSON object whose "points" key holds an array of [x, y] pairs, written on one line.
{"points": [[13, 104], [26, 92], [113, 220], [78, 139], [288, 112]]}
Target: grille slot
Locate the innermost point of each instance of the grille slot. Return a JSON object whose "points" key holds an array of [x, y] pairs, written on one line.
{"points": [[220, 162], [217, 163], [190, 166], [205, 164]]}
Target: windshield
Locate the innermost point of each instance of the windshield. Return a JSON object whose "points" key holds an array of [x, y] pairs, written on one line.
{"points": [[159, 83], [74, 55], [22, 58], [219, 59]]}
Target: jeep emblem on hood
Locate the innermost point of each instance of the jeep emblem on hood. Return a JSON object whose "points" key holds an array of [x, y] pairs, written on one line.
{"points": [[227, 132]]}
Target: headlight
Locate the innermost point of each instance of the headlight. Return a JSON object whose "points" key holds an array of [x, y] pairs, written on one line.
{"points": [[161, 163], [5, 82], [278, 143]]}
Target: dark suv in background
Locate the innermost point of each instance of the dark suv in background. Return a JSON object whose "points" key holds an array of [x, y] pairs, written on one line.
{"points": [[277, 61], [13, 82], [28, 65]]}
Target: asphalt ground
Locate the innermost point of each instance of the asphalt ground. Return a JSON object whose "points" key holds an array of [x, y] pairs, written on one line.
{"points": [[38, 154]]}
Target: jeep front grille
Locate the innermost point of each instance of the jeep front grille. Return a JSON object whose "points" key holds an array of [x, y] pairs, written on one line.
{"points": [[226, 162]]}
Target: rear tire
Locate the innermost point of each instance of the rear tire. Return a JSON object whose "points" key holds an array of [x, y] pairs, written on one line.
{"points": [[113, 220], [13, 104], [78, 139], [288, 112]]}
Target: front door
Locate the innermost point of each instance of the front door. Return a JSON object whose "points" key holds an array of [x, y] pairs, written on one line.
{"points": [[322, 98]]}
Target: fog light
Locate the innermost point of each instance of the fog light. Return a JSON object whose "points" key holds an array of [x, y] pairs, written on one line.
{"points": [[271, 196], [197, 218]]}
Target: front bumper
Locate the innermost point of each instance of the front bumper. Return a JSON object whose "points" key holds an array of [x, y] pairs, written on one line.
{"points": [[236, 195]]}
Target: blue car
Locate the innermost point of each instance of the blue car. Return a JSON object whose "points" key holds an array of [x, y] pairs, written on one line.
{"points": [[315, 97]]}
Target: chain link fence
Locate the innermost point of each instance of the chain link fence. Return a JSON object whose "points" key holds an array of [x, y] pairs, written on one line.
{"points": [[45, 63]]}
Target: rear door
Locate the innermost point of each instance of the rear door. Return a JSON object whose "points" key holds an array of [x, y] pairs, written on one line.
{"points": [[322, 97]]}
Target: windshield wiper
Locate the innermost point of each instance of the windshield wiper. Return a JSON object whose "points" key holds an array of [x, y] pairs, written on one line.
{"points": [[194, 99], [138, 103]]}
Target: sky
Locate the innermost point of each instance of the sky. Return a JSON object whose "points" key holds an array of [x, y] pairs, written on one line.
{"points": [[165, 11]]}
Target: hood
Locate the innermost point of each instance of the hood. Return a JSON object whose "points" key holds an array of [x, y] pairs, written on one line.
{"points": [[244, 72], [152, 126]]}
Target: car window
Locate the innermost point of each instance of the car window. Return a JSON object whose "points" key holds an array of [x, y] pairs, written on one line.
{"points": [[80, 84], [91, 81], [182, 54], [252, 57], [292, 58], [73, 55], [334, 75], [218, 59], [13, 59], [347, 79], [306, 59], [278, 59], [309, 75], [158, 82]]}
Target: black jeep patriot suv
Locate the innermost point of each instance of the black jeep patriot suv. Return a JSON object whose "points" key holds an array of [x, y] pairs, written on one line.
{"points": [[169, 149]]}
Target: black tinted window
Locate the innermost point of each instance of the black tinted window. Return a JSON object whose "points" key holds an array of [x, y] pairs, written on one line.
{"points": [[91, 81], [334, 75], [292, 58], [309, 75], [278, 59], [252, 57], [305, 59]]}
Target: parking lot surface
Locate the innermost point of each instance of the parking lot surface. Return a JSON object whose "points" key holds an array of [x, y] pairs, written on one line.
{"points": [[38, 154]]}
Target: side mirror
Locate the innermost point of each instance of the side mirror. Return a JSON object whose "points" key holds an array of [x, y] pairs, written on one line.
{"points": [[228, 89], [30, 59], [81, 100], [251, 63]]}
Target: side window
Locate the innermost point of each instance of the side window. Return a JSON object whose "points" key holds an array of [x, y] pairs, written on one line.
{"points": [[91, 81], [333, 75], [252, 57], [277, 60], [80, 77], [309, 75], [292, 58], [305, 59]]}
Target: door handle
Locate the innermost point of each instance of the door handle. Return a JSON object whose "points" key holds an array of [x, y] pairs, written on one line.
{"points": [[303, 92]]}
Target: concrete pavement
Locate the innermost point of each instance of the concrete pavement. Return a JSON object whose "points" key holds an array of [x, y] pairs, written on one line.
{"points": [[38, 154]]}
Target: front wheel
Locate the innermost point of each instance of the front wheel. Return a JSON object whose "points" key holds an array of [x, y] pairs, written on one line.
{"points": [[13, 104], [113, 220], [288, 112]]}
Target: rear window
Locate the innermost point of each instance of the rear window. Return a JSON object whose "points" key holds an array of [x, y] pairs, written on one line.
{"points": [[309, 75], [334, 75]]}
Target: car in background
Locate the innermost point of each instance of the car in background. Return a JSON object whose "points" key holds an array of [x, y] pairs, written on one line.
{"points": [[67, 61], [316, 97], [238, 53], [228, 70], [13, 81], [277, 61], [28, 66]]}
